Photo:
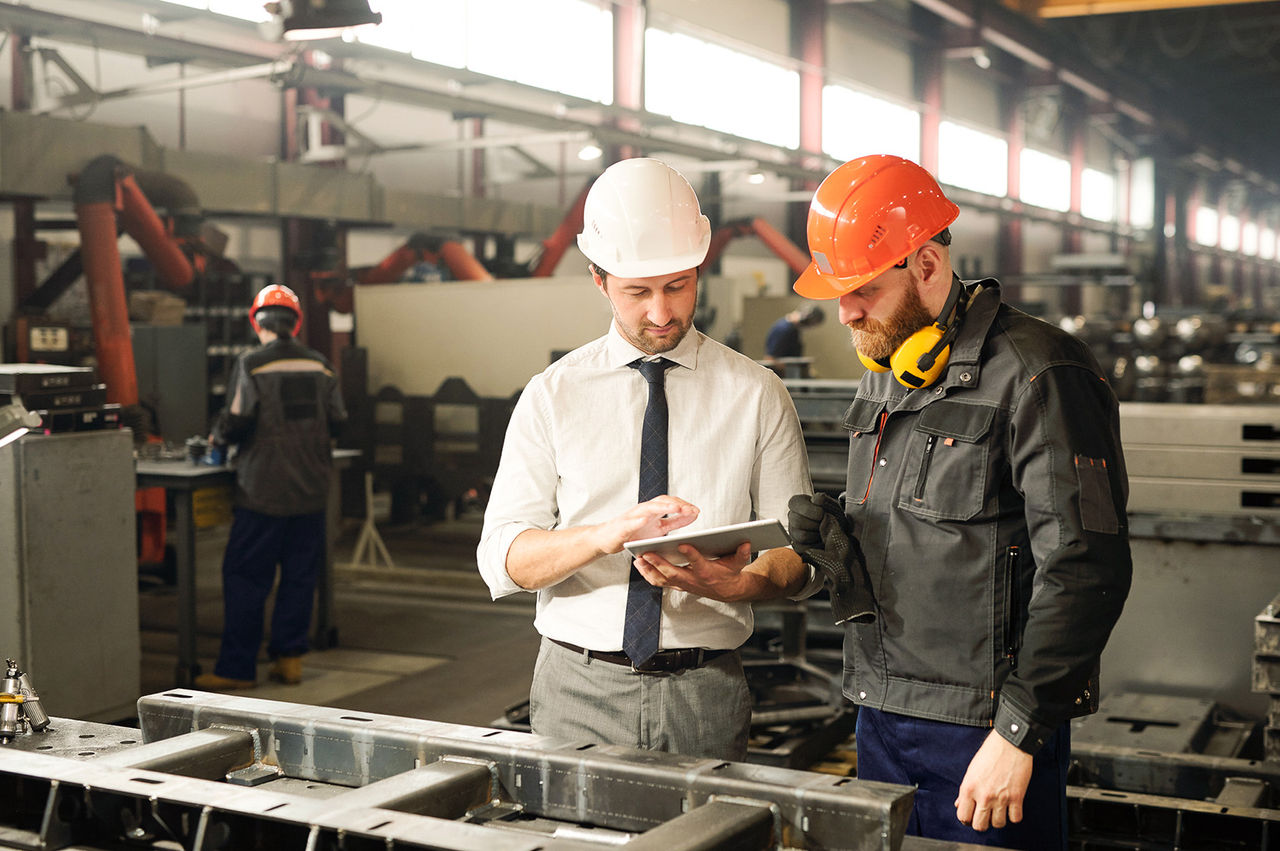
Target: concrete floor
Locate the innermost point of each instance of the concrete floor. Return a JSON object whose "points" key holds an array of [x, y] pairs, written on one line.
{"points": [[422, 640]]}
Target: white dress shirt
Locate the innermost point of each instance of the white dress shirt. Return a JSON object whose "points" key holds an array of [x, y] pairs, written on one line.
{"points": [[572, 456]]}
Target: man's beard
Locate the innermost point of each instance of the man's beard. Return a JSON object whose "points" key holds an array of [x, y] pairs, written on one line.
{"points": [[655, 345], [879, 340]]}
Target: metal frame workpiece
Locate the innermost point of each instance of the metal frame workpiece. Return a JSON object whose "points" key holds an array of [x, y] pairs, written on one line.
{"points": [[227, 772]]}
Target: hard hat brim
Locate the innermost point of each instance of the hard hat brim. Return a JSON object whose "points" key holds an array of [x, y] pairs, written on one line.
{"points": [[816, 285]]}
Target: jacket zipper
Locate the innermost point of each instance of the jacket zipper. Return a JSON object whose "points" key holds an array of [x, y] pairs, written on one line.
{"points": [[924, 467], [1011, 610]]}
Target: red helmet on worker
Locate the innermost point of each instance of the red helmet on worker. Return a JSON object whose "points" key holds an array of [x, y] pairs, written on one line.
{"points": [[276, 296], [866, 217]]}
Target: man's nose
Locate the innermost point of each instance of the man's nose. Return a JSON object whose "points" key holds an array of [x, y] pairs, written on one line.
{"points": [[850, 309], [660, 310]]}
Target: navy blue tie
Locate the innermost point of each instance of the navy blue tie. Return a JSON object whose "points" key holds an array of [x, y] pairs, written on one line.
{"points": [[644, 601]]}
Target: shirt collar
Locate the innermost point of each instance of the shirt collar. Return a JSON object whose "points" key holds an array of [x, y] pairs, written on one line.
{"points": [[621, 353]]}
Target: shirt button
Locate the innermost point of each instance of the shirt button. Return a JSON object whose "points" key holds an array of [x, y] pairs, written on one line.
{"points": [[883, 461], [1013, 728], [862, 695], [964, 376], [937, 391]]}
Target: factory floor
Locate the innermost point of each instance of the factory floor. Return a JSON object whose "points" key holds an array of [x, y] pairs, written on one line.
{"points": [[420, 640]]}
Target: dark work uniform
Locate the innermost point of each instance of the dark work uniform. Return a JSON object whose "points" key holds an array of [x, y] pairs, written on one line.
{"points": [[283, 408], [784, 340], [991, 511]]}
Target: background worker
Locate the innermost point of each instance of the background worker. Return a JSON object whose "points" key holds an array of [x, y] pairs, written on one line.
{"points": [[570, 491], [284, 407], [984, 513], [784, 339]]}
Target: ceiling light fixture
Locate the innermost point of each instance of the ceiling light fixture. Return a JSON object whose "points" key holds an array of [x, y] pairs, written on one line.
{"points": [[755, 178], [589, 152]]}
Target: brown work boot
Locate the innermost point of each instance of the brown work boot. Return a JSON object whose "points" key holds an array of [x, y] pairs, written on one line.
{"points": [[287, 670], [213, 682]]}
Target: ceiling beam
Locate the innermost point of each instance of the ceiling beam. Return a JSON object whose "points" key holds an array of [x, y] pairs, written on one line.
{"points": [[1077, 8]]}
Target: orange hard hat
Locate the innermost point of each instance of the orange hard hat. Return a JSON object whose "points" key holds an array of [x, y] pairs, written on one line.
{"points": [[867, 216], [276, 295]]}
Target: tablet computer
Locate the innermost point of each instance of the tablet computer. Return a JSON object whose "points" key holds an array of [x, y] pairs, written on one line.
{"points": [[713, 543]]}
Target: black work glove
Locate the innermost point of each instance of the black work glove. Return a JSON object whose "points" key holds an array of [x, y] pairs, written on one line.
{"points": [[823, 536]]}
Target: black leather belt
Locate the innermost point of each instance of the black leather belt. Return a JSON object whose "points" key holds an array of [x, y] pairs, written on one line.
{"points": [[662, 662]]}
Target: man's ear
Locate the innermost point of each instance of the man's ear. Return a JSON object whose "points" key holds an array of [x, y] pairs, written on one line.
{"points": [[934, 268], [599, 282]]}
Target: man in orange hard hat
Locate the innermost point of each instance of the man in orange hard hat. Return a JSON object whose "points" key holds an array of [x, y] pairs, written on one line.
{"points": [[983, 520], [283, 407]]}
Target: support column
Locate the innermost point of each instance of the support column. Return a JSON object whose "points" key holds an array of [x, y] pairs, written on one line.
{"points": [[808, 43]]}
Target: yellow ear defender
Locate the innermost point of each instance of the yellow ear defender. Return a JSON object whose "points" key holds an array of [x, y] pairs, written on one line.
{"points": [[923, 356]]}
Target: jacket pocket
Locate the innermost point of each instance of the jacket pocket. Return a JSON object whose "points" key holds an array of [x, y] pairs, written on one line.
{"points": [[864, 421], [1012, 631], [1097, 508], [947, 471]]}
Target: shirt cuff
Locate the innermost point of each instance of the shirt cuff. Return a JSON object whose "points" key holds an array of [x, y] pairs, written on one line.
{"points": [[492, 560]]}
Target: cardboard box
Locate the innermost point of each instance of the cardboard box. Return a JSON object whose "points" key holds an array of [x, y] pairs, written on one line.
{"points": [[156, 308]]}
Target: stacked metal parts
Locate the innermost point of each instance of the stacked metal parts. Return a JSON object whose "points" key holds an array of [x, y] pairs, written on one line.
{"points": [[66, 398], [1193, 358], [221, 772]]}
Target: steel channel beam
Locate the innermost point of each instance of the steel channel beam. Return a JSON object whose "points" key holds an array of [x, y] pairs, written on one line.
{"points": [[1182, 775], [620, 788], [207, 754], [444, 789], [737, 825]]}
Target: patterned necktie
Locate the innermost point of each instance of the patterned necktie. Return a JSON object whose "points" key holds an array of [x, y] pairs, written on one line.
{"points": [[644, 601]]}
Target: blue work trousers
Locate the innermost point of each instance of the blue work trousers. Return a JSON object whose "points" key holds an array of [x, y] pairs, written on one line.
{"points": [[934, 755], [258, 543]]}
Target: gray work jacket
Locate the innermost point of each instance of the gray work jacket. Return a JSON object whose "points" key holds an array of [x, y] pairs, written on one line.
{"points": [[283, 406], [991, 511]]}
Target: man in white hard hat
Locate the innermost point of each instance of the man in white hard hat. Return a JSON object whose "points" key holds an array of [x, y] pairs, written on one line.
{"points": [[569, 492]]}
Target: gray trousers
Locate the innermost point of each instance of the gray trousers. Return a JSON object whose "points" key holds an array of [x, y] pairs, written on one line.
{"points": [[704, 712]]}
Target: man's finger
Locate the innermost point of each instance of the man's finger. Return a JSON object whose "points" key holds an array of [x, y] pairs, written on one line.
{"points": [[802, 505]]}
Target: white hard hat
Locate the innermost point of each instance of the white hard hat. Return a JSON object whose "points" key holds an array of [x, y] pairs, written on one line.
{"points": [[641, 218]]}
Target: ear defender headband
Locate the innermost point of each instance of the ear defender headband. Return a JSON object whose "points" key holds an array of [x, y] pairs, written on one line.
{"points": [[923, 356]]}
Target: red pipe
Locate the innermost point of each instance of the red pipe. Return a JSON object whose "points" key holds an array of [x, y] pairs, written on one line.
{"points": [[461, 262], [141, 222], [107, 304], [566, 234]]}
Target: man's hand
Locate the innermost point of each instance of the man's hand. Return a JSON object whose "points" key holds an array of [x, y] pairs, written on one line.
{"points": [[994, 785], [823, 536], [719, 578], [659, 516]]}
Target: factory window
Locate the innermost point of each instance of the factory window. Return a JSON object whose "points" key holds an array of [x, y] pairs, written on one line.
{"points": [[245, 10], [1249, 239], [1267, 244], [972, 159], [855, 124], [1142, 193], [1098, 195], [1207, 226], [1229, 238], [730, 91], [1045, 180], [560, 45], [431, 30]]}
